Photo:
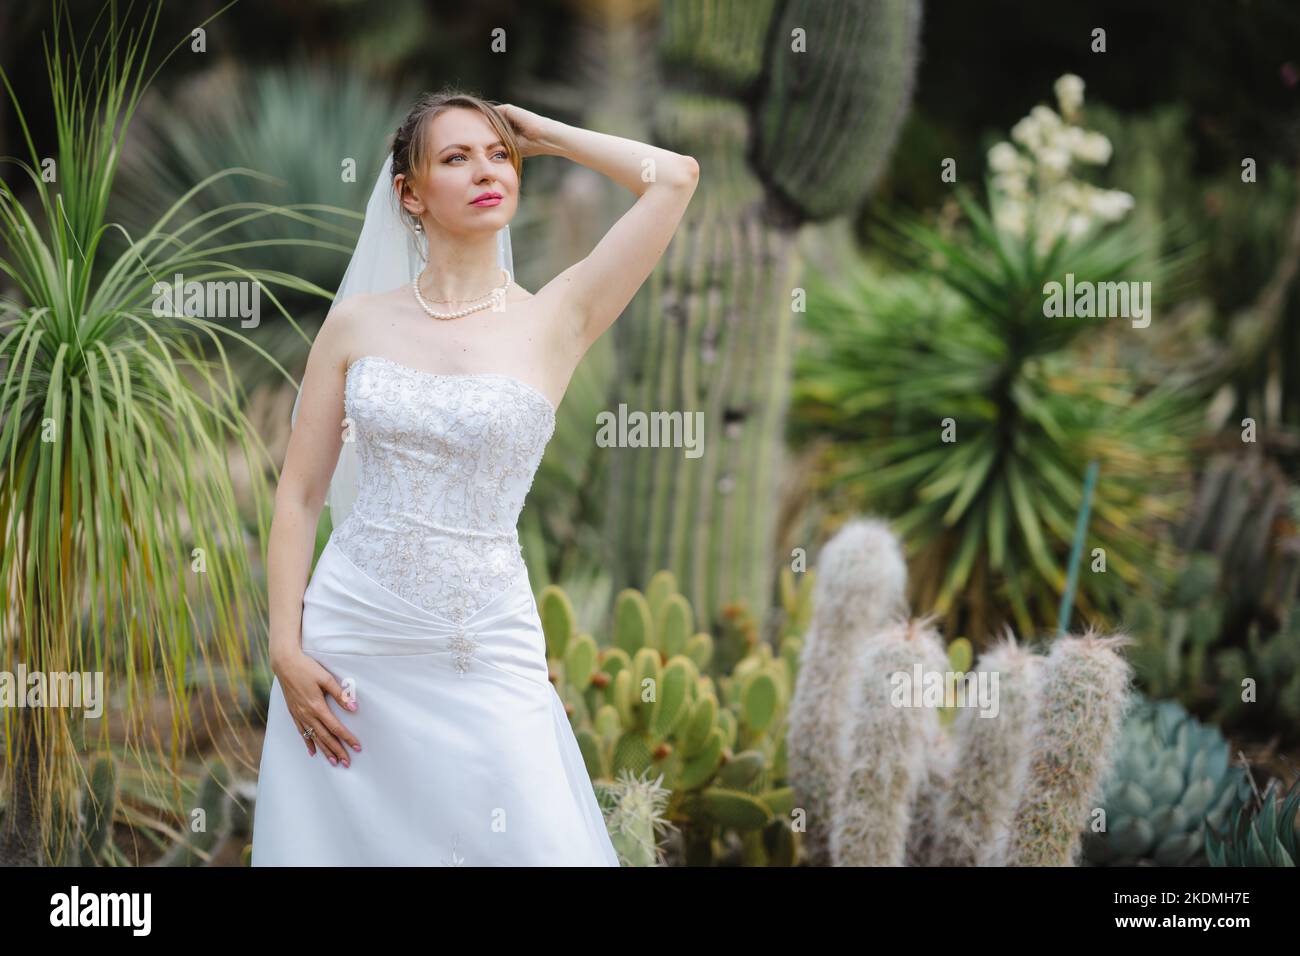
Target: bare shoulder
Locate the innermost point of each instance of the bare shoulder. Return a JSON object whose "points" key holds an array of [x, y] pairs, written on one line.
{"points": [[339, 334], [357, 313], [361, 306]]}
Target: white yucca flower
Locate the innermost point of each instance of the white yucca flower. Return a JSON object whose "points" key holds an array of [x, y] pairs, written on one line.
{"points": [[1004, 158], [1069, 95], [1027, 132], [1078, 225], [1055, 158], [1092, 147], [1032, 179], [1046, 117], [1013, 184], [1110, 204]]}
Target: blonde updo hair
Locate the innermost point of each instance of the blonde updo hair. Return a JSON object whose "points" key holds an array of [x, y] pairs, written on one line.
{"points": [[411, 147]]}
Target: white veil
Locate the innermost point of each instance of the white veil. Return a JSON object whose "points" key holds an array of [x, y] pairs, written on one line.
{"points": [[387, 256]]}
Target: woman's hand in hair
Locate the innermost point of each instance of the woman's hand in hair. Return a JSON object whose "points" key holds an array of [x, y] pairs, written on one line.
{"points": [[532, 130]]}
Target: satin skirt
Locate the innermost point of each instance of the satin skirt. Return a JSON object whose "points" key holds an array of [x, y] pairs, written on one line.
{"points": [[467, 756]]}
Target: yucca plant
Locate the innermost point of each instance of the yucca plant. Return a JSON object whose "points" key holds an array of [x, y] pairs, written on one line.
{"points": [[125, 551], [959, 403], [956, 406]]}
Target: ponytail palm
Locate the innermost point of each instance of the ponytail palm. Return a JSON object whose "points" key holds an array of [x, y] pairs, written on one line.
{"points": [[125, 550]]}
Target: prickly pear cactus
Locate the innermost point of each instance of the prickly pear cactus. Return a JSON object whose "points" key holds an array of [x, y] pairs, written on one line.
{"points": [[643, 704]]}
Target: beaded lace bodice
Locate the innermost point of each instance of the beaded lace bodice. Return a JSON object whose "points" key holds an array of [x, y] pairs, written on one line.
{"points": [[446, 462]]}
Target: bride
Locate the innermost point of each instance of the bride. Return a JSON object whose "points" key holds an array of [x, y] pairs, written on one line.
{"points": [[412, 721]]}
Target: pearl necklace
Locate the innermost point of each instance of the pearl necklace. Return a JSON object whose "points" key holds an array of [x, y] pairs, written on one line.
{"points": [[494, 297]]}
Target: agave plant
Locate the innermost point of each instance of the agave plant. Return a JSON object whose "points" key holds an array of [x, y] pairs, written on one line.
{"points": [[126, 553], [1171, 780], [1262, 829]]}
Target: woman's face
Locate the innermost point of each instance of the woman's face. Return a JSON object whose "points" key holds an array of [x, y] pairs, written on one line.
{"points": [[468, 160]]}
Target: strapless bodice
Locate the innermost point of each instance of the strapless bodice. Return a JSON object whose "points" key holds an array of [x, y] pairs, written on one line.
{"points": [[445, 462]]}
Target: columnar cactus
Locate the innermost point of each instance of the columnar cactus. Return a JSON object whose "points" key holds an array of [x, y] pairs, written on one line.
{"points": [[803, 105], [926, 836], [198, 847], [860, 586], [976, 810], [1085, 697], [883, 746], [633, 809], [909, 786]]}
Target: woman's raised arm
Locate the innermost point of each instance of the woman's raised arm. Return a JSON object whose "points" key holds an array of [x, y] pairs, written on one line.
{"points": [[596, 289]]}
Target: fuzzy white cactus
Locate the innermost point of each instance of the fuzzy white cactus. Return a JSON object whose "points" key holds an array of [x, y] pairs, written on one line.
{"points": [[861, 585], [927, 839], [976, 811], [883, 747], [886, 785], [1085, 695]]}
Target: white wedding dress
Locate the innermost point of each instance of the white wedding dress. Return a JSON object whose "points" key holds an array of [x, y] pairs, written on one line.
{"points": [[422, 605]]}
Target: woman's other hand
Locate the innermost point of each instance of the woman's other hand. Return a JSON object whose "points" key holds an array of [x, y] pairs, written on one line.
{"points": [[307, 687]]}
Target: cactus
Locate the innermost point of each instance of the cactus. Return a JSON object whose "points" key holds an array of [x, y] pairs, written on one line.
{"points": [[973, 815], [862, 578], [919, 788], [198, 846], [1084, 697], [961, 655], [1241, 503], [88, 826], [746, 752], [1172, 780], [99, 800], [1272, 664], [634, 815], [1173, 645], [883, 747], [1014, 789], [796, 602], [709, 334], [643, 709], [926, 837]]}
